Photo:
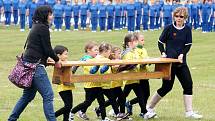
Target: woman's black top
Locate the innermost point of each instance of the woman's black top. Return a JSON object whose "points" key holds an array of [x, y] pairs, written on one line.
{"points": [[176, 40], [39, 45]]}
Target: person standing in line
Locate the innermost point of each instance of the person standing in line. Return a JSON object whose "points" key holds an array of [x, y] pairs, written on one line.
{"points": [[22, 14], [15, 4], [152, 15], [167, 13], [124, 3], [205, 15], [131, 11], [7, 11], [68, 14], [31, 9], [83, 12], [58, 15], [76, 14], [145, 18], [102, 15], [110, 12], [1, 6], [93, 15], [138, 6]]}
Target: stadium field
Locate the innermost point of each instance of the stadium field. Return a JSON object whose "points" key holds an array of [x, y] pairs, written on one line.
{"points": [[171, 108]]}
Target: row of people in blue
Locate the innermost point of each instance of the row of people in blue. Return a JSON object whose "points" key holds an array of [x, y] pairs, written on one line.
{"points": [[120, 15]]}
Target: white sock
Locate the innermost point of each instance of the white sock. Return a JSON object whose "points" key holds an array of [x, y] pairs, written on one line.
{"points": [[188, 103], [155, 99]]}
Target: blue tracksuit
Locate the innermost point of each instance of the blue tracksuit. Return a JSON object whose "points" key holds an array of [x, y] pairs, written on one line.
{"points": [[51, 3], [110, 11], [213, 19], [22, 13], [210, 27], [174, 6], [205, 11], [152, 15], [138, 6], [124, 15], [7, 11], [118, 16], [32, 7], [89, 4], [83, 10], [41, 2], [94, 16], [63, 2], [189, 21], [1, 4], [76, 9], [145, 18], [58, 15], [15, 4], [131, 16], [102, 17], [68, 15], [158, 16], [167, 14], [194, 15]]}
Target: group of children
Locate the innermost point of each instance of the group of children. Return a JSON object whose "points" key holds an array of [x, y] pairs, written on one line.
{"points": [[110, 15], [115, 91]]}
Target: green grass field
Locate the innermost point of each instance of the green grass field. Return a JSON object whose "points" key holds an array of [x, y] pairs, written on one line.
{"points": [[171, 108]]}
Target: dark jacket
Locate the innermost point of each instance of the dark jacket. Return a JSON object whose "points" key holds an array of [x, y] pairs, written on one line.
{"points": [[39, 45], [38, 41]]}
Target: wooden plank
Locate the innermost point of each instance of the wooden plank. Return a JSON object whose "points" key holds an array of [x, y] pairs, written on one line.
{"points": [[116, 77], [118, 62], [57, 75], [66, 75], [165, 68]]}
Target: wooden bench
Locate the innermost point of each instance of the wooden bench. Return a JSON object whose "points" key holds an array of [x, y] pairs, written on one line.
{"points": [[162, 69]]}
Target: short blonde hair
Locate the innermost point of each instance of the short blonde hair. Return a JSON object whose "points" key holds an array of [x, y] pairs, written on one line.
{"points": [[181, 11]]}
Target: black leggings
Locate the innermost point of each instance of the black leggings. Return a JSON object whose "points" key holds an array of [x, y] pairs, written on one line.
{"points": [[91, 95], [68, 101], [138, 92], [183, 74], [144, 85], [119, 96], [111, 100]]}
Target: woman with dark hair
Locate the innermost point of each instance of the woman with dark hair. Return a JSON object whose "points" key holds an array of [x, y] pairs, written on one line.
{"points": [[175, 42], [38, 49]]}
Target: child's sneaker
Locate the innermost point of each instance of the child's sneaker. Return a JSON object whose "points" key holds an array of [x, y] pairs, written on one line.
{"points": [[122, 116], [129, 108], [193, 115], [98, 112], [71, 116], [107, 119], [82, 115]]}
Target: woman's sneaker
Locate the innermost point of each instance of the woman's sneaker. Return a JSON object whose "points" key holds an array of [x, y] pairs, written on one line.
{"points": [[193, 115], [83, 116], [148, 115]]}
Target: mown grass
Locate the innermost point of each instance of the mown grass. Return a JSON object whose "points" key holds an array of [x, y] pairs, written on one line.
{"points": [[200, 59]]}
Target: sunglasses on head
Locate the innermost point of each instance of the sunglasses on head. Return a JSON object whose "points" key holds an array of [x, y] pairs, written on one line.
{"points": [[179, 16]]}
